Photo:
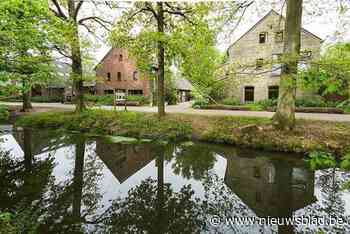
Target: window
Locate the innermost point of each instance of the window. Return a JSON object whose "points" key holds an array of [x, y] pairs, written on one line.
{"points": [[120, 58], [249, 94], [273, 92], [119, 76], [135, 92], [259, 63], [306, 54], [108, 91], [108, 76], [134, 75], [279, 36], [263, 37]]}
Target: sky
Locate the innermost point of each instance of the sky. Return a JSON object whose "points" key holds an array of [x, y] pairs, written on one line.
{"points": [[321, 17]]}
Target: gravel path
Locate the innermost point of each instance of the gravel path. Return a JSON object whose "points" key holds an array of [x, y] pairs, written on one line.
{"points": [[185, 108]]}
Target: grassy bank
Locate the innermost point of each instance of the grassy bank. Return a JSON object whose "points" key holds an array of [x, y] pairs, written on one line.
{"points": [[241, 131]]}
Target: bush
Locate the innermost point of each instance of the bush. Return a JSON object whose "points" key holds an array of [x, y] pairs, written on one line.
{"points": [[345, 105], [137, 98], [310, 102], [199, 103], [4, 113], [267, 104], [231, 101], [102, 100]]}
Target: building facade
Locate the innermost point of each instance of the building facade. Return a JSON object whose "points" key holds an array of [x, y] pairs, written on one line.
{"points": [[117, 72], [255, 58]]}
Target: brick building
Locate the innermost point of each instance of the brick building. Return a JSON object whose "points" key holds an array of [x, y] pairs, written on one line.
{"points": [[117, 72], [257, 53]]}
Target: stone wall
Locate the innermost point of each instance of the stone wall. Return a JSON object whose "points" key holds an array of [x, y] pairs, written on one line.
{"points": [[244, 53]]}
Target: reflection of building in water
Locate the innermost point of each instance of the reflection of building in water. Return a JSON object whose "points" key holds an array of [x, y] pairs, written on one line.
{"points": [[274, 188], [41, 141], [124, 160]]}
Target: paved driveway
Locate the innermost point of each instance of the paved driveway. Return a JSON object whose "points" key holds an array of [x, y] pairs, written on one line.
{"points": [[185, 108]]}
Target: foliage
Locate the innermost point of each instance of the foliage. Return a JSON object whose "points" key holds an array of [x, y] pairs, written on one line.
{"points": [[321, 160], [200, 102], [345, 163], [47, 99], [312, 101], [231, 101], [4, 113], [129, 124], [26, 35], [268, 103], [108, 99], [331, 74]]}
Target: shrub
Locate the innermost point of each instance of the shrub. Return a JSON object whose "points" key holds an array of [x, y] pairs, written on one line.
{"points": [[268, 103], [310, 102], [4, 113], [231, 101], [102, 100], [137, 98], [201, 102], [345, 105]]}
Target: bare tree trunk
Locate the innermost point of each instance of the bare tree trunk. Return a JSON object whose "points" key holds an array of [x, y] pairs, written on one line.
{"points": [[284, 117], [77, 70], [26, 96], [160, 99]]}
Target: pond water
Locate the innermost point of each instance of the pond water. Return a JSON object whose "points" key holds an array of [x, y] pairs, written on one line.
{"points": [[67, 183]]}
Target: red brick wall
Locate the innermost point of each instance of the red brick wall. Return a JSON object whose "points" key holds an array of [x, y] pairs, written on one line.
{"points": [[111, 64]]}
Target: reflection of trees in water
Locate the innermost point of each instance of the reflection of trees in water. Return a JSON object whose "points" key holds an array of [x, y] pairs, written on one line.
{"points": [[331, 204], [193, 161], [39, 203]]}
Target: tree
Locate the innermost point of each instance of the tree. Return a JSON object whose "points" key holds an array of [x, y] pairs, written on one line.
{"points": [[68, 11], [155, 25], [284, 117], [25, 38]]}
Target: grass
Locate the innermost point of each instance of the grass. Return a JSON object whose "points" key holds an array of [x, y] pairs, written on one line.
{"points": [[251, 132], [104, 122]]}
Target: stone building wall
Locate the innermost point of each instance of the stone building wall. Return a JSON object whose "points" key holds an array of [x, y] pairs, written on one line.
{"points": [[117, 60], [244, 53]]}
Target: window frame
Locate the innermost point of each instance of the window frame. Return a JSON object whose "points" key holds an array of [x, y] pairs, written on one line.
{"points": [[264, 34], [277, 40], [109, 76]]}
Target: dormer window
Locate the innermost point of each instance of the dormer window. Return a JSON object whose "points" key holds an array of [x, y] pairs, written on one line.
{"points": [[134, 75], [279, 36], [108, 76], [263, 37], [120, 58]]}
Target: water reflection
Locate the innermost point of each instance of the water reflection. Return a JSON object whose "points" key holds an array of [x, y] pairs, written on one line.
{"points": [[59, 183]]}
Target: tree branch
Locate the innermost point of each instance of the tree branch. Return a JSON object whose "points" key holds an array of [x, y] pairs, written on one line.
{"points": [[98, 20], [77, 9], [59, 11]]}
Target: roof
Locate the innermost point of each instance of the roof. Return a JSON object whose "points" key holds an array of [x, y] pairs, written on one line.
{"points": [[104, 57], [262, 19], [183, 84]]}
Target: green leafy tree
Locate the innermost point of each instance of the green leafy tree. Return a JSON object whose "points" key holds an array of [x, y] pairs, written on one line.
{"points": [[153, 32], [331, 74], [70, 13], [25, 36]]}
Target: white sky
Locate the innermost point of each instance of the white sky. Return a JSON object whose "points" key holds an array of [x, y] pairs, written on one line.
{"points": [[320, 17]]}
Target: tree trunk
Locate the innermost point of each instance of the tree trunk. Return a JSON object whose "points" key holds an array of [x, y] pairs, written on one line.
{"points": [[77, 70], [26, 96], [160, 99], [78, 182], [284, 117]]}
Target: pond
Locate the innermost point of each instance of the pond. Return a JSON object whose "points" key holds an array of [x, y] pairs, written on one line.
{"points": [[54, 182]]}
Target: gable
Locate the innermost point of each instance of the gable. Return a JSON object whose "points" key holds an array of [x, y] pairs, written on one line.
{"points": [[270, 14]]}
